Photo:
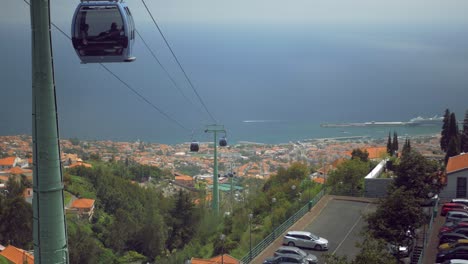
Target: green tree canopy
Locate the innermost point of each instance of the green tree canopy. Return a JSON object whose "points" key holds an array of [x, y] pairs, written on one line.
{"points": [[395, 142], [417, 174], [444, 139], [464, 135], [396, 214], [348, 178], [360, 154]]}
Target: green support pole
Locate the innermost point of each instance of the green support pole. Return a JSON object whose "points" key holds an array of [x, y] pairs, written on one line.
{"points": [[49, 226], [215, 201], [215, 178]]}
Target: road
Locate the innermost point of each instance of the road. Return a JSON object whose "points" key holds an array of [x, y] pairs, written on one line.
{"points": [[341, 222], [338, 219]]}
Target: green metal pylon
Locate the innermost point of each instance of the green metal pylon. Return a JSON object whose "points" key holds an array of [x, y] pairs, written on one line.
{"points": [[49, 226], [215, 199]]}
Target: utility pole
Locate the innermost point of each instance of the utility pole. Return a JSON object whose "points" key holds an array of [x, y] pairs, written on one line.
{"points": [[49, 226], [215, 201]]}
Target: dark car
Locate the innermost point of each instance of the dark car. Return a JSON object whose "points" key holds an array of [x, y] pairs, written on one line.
{"points": [[285, 250], [451, 237], [456, 253], [449, 226], [286, 259]]}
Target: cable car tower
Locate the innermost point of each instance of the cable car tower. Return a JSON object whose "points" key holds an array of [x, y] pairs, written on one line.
{"points": [[103, 31], [222, 143], [49, 223]]}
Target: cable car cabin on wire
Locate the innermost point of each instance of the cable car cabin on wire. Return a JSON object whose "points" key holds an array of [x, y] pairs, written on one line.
{"points": [[103, 31]]}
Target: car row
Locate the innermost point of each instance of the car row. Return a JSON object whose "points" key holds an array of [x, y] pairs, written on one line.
{"points": [[453, 235], [291, 252]]}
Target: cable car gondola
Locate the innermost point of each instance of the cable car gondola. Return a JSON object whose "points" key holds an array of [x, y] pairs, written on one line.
{"points": [[103, 31], [194, 146], [223, 142]]}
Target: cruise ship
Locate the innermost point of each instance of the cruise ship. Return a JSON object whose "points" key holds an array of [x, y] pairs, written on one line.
{"points": [[421, 121], [417, 121]]}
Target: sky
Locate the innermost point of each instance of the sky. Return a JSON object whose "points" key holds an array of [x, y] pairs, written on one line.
{"points": [[300, 62]]}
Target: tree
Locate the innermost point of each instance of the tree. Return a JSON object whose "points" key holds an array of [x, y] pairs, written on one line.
{"points": [[417, 174], [348, 178], [453, 148], [183, 218], [14, 188], [361, 155], [395, 142], [406, 148], [16, 223], [464, 135], [397, 216], [389, 145], [444, 139], [373, 251], [82, 247], [453, 127]]}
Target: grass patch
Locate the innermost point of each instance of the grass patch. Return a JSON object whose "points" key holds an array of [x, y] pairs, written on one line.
{"points": [[68, 197], [81, 187], [4, 260]]}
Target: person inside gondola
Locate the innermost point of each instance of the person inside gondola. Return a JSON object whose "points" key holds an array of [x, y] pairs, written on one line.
{"points": [[84, 34], [112, 33]]}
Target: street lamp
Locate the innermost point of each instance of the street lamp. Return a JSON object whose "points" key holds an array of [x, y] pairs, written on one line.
{"points": [[273, 201], [222, 237], [250, 236]]}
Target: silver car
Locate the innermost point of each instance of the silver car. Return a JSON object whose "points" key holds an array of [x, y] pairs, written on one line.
{"points": [[305, 239], [285, 250]]}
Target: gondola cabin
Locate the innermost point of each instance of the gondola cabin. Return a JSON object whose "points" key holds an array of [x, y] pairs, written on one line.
{"points": [[223, 142], [194, 146], [103, 31]]}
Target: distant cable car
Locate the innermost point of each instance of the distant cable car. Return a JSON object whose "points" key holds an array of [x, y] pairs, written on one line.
{"points": [[223, 142], [103, 31], [194, 146]]}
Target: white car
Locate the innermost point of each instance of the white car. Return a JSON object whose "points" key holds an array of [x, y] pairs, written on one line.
{"points": [[305, 239]]}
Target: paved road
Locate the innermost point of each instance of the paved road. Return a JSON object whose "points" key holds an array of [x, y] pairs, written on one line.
{"points": [[338, 219], [341, 222]]}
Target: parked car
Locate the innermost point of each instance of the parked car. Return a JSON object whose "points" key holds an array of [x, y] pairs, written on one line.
{"points": [[305, 239], [456, 253], [286, 250], [458, 243], [451, 226], [285, 259], [450, 206], [456, 261], [455, 215], [451, 237], [460, 201]]}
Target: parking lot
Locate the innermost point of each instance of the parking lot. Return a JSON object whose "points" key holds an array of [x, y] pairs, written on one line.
{"points": [[339, 221]]}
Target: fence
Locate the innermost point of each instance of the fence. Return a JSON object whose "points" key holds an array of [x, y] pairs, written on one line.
{"points": [[427, 234], [255, 251]]}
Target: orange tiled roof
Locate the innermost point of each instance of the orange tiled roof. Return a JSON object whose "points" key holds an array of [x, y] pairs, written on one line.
{"points": [[319, 180], [17, 256], [457, 163], [226, 259], [183, 178], [18, 170], [83, 203], [7, 161], [376, 152], [81, 164]]}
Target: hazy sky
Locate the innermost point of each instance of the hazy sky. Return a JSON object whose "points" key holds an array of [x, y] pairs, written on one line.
{"points": [[306, 61]]}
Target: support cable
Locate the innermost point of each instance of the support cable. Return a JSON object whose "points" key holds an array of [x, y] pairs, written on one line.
{"points": [[165, 70], [178, 63], [125, 84]]}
